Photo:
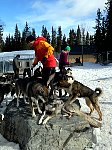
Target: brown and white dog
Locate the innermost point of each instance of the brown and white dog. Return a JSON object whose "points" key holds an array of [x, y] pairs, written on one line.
{"points": [[35, 92], [55, 108], [77, 89], [50, 111]]}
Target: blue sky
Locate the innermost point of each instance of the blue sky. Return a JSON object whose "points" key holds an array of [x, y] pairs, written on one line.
{"points": [[65, 13]]}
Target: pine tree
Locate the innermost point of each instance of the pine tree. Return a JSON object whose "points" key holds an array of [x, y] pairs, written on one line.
{"points": [[59, 39], [92, 41], [45, 34], [1, 37], [17, 39], [26, 32], [71, 41], [83, 38], [78, 37], [98, 33], [53, 38], [33, 32], [103, 31], [7, 45], [109, 25], [87, 39], [64, 42], [12, 44]]}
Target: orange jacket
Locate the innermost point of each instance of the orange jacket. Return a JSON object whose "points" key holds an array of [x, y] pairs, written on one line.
{"points": [[44, 49]]}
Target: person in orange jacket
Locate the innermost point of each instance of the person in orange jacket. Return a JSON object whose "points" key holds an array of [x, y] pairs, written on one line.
{"points": [[44, 53]]}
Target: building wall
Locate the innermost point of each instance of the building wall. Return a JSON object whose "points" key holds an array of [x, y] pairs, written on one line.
{"points": [[25, 63], [7, 66]]}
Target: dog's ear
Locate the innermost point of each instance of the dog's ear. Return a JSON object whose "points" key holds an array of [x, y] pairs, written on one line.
{"points": [[69, 69]]}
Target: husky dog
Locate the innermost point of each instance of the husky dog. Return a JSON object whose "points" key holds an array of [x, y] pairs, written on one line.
{"points": [[51, 110], [20, 88], [7, 78], [55, 108], [77, 89], [35, 92], [21, 84], [3, 79], [38, 72], [5, 89], [65, 74], [27, 72]]}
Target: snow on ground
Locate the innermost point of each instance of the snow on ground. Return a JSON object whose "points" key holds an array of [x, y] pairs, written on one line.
{"points": [[95, 75], [91, 75]]}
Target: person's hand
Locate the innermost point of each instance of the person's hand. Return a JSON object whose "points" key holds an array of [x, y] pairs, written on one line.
{"points": [[44, 59]]}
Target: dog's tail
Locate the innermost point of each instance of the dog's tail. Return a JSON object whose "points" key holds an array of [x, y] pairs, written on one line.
{"points": [[98, 91]]}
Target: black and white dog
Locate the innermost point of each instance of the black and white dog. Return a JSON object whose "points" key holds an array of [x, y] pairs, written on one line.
{"points": [[65, 74], [21, 83], [33, 90], [27, 72], [5, 89], [7, 78]]}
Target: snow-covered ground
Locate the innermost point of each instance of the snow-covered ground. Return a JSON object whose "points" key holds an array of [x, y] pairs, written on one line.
{"points": [[95, 75], [91, 75]]}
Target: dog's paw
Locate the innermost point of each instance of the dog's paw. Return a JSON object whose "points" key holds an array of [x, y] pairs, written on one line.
{"points": [[100, 119], [39, 111], [44, 122], [40, 122], [33, 115]]}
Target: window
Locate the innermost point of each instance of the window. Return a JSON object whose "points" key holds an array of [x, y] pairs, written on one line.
{"points": [[20, 64], [27, 64]]}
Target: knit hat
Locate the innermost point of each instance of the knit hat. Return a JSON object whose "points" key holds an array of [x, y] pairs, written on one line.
{"points": [[41, 38], [30, 38], [38, 39], [68, 48]]}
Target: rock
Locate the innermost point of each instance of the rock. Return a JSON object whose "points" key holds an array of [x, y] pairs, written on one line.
{"points": [[59, 134]]}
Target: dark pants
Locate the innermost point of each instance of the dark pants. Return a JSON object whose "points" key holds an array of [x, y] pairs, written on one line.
{"points": [[46, 73], [61, 66], [16, 73]]}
